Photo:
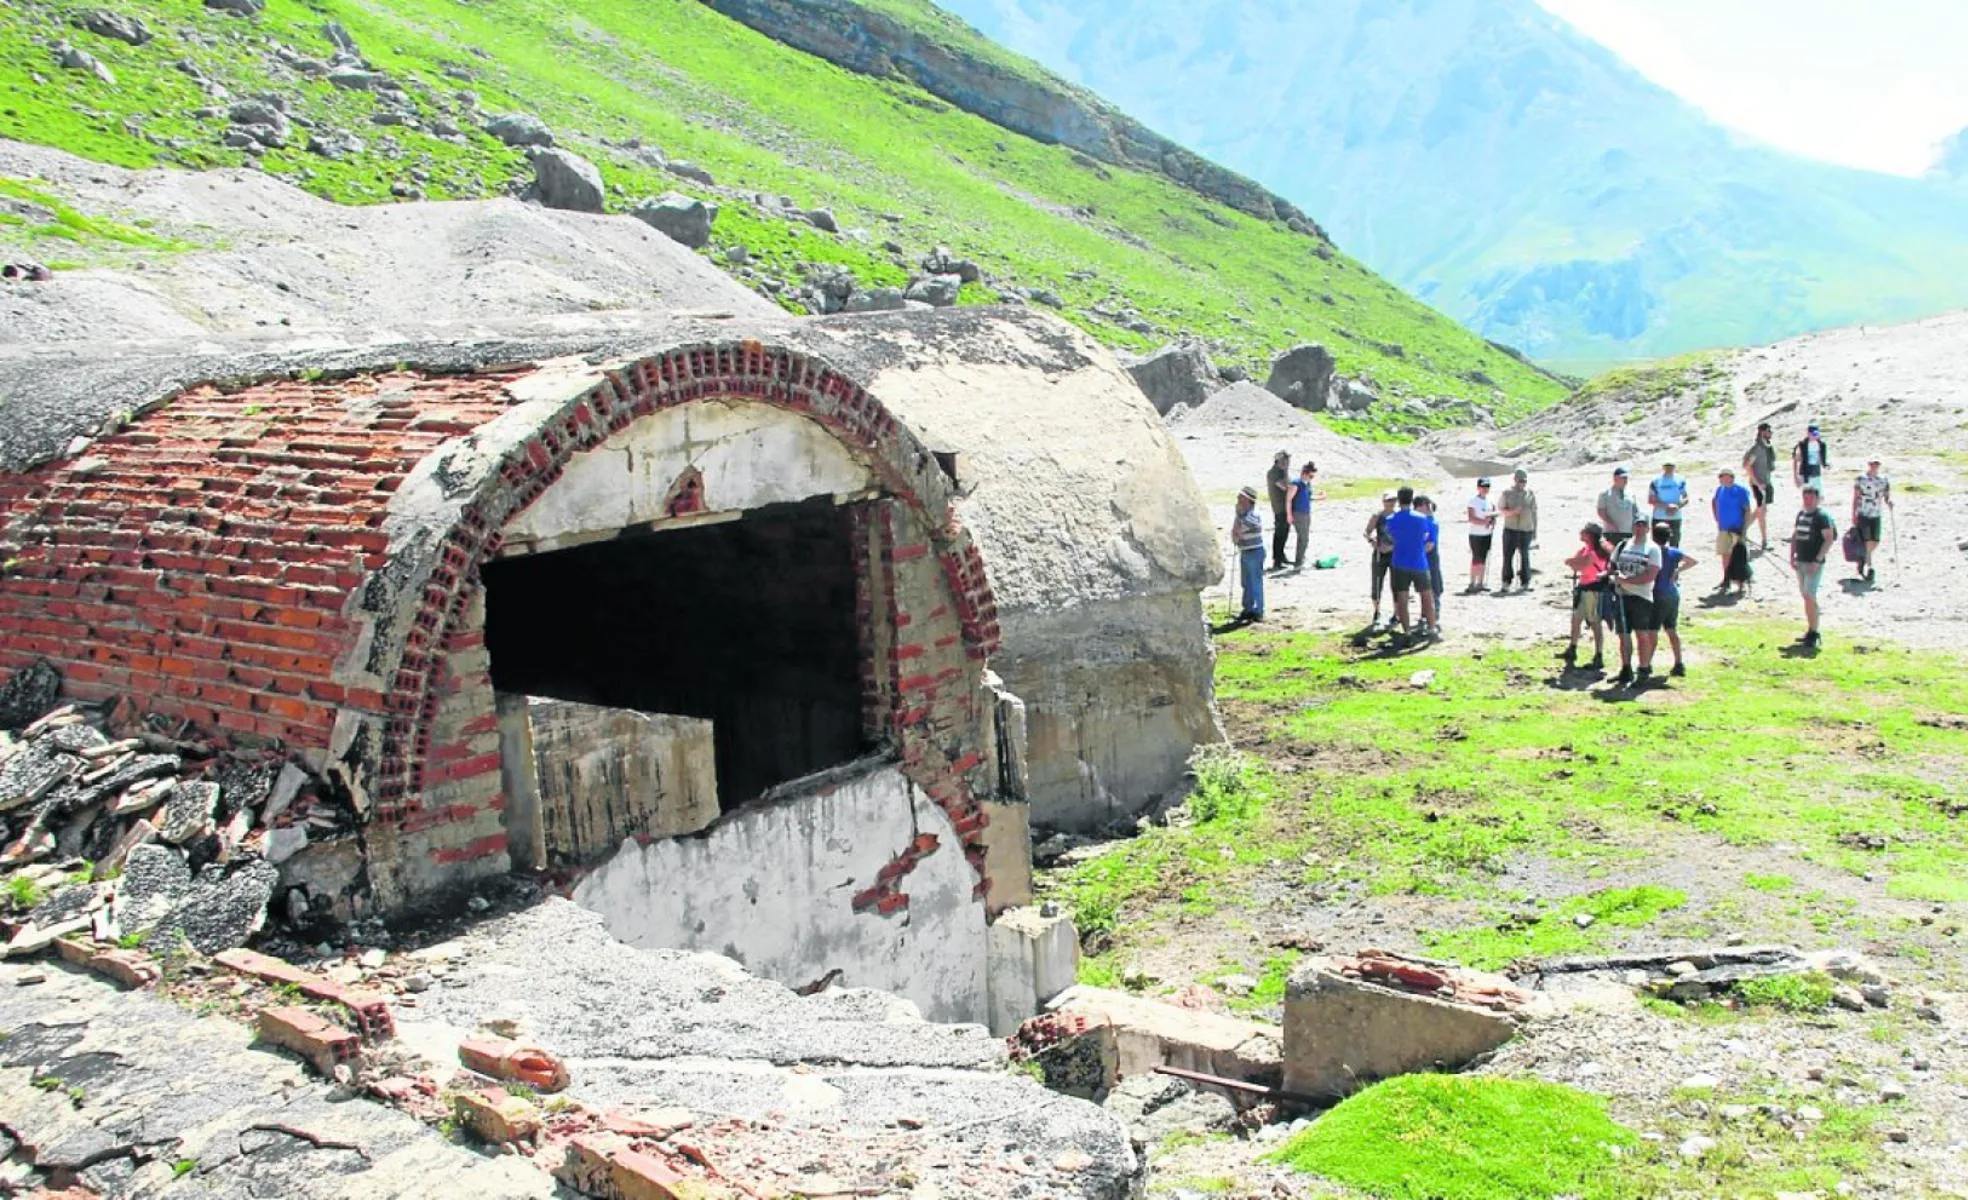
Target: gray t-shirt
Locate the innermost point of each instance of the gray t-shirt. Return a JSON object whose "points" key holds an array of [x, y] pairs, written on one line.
{"points": [[1631, 563], [1619, 510]]}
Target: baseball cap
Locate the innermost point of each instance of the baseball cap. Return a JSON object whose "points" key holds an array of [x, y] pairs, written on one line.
{"points": [[1520, 473], [1814, 489], [1483, 482], [1619, 472], [1390, 494]]}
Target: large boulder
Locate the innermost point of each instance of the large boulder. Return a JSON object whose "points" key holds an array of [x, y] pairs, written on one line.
{"points": [[520, 129], [937, 290], [941, 262], [881, 299], [563, 179], [104, 23], [1353, 395], [680, 218], [1178, 373], [1303, 377]]}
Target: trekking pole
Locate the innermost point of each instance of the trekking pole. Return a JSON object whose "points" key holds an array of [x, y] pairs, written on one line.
{"points": [[1893, 522]]}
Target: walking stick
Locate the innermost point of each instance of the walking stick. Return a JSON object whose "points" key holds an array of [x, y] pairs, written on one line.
{"points": [[1893, 523]]}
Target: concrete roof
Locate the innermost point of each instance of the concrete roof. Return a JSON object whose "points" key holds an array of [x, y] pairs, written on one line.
{"points": [[1066, 477]]}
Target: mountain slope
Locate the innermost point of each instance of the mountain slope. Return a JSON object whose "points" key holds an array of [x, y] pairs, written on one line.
{"points": [[1133, 256], [1511, 171]]}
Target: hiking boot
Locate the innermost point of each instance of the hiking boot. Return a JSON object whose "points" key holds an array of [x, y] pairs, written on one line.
{"points": [[1624, 678], [1678, 671], [1812, 640], [1598, 663], [1870, 575], [1570, 656], [1643, 677]]}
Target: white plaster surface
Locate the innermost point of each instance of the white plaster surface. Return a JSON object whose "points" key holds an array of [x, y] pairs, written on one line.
{"points": [[772, 886], [749, 454], [1032, 958]]}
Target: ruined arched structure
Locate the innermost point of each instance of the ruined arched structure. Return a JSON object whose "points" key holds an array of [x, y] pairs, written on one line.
{"points": [[807, 543]]}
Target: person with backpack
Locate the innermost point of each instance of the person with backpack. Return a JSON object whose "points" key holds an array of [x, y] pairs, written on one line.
{"points": [[1668, 495], [1247, 535], [1732, 505], [1760, 465], [1635, 568], [1617, 511], [1482, 514], [1592, 568], [1810, 545], [1810, 459], [1872, 495], [1667, 593], [1382, 554], [1301, 510], [1520, 523]]}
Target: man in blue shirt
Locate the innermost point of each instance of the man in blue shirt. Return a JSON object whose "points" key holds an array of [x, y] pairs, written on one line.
{"points": [[1408, 530], [1667, 593], [1733, 505], [1668, 495]]}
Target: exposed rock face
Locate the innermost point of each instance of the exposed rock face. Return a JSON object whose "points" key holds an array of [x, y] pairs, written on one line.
{"points": [[681, 218], [238, 8], [938, 290], [1179, 373], [1303, 377], [1048, 109], [563, 179], [104, 23]]}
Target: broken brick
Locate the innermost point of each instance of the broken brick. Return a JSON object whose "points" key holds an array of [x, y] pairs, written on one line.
{"points": [[514, 1063], [495, 1116], [316, 1039], [370, 1010]]}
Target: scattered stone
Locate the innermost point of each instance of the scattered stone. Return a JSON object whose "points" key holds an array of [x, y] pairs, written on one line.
{"points": [[1848, 998], [355, 79], [941, 262], [1178, 373], [81, 60], [1700, 1083], [1303, 377], [1236, 985], [1047, 297], [1682, 969], [373, 958], [881, 299], [1892, 1092], [1695, 1147], [238, 8], [1584, 920], [284, 842], [821, 219], [417, 983], [29, 272], [1421, 679], [691, 171], [104, 23], [565, 180], [334, 144], [1808, 1112], [1736, 1112], [939, 291], [520, 129], [683, 219]]}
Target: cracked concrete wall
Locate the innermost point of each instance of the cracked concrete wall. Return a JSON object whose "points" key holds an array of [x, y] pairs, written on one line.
{"points": [[1117, 694], [747, 455], [605, 774], [772, 886]]}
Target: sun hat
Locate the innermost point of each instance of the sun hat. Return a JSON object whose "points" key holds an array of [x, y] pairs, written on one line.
{"points": [[1248, 493]]}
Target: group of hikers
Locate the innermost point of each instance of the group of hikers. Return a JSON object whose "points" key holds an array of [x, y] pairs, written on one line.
{"points": [[1629, 561]]}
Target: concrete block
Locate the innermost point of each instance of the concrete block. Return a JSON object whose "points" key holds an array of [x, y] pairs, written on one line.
{"points": [[1007, 856], [1111, 1035], [1343, 1033], [1029, 959]]}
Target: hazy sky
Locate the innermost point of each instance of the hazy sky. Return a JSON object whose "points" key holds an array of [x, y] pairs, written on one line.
{"points": [[1867, 83]]}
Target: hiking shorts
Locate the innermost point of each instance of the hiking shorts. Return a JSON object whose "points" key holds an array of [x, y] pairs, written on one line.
{"points": [[1808, 575], [1869, 529], [1725, 543], [1764, 493], [1637, 614], [1667, 611], [1406, 581], [1479, 546], [1588, 604]]}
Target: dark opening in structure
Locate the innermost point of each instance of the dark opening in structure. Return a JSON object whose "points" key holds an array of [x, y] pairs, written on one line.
{"points": [[748, 623]]}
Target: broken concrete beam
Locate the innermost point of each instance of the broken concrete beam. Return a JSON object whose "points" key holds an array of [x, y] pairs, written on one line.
{"points": [[370, 1009], [1029, 959], [495, 1116], [1089, 1038], [514, 1063], [320, 1041], [1342, 1033]]}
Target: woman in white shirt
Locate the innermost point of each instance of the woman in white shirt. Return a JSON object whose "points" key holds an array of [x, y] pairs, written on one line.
{"points": [[1482, 528]]}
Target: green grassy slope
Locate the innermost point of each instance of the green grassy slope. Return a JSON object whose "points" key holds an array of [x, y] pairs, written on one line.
{"points": [[763, 118]]}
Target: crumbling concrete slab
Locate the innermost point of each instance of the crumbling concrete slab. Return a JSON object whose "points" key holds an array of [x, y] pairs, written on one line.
{"points": [[1091, 1038], [1030, 958], [1349, 1022]]}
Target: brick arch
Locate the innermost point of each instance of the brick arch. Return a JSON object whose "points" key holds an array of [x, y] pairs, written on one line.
{"points": [[515, 465]]}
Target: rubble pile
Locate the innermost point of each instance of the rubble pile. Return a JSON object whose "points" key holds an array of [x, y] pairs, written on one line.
{"points": [[135, 830]]}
